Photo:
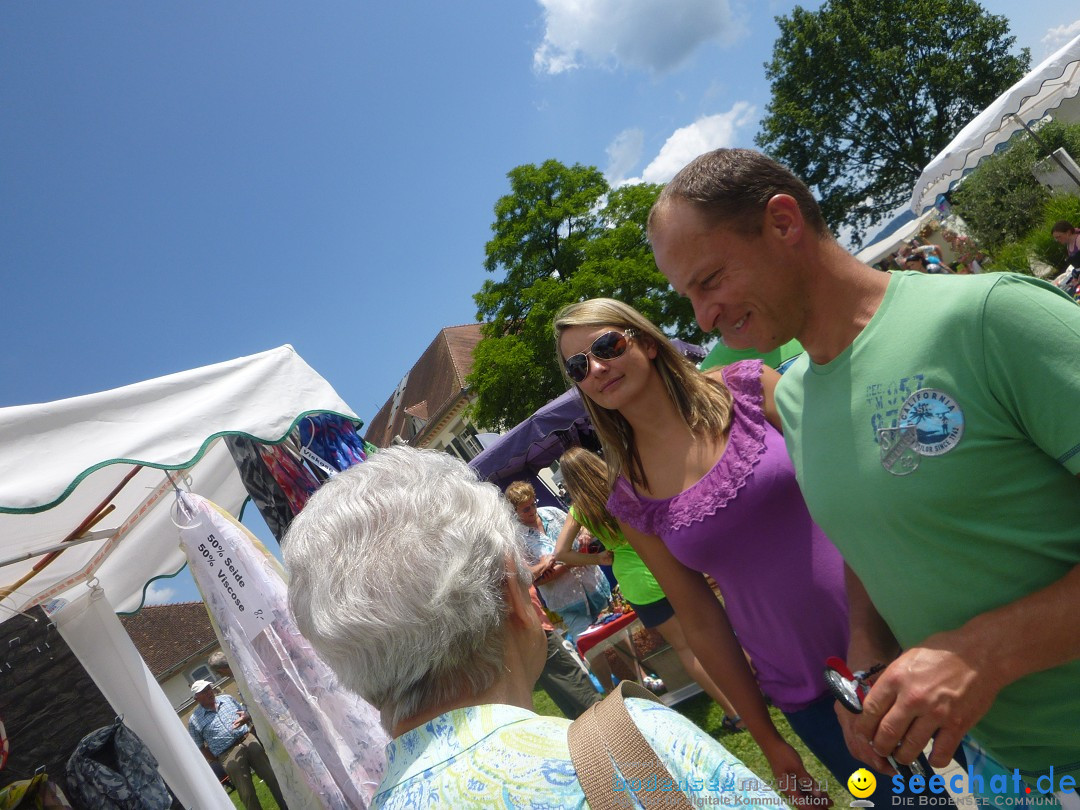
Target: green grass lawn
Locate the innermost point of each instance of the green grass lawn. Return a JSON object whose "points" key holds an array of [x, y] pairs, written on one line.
{"points": [[707, 715], [266, 798]]}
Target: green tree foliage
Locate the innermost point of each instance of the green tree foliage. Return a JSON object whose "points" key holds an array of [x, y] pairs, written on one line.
{"points": [[1001, 201], [561, 235], [865, 94]]}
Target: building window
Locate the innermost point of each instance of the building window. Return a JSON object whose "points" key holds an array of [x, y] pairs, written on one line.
{"points": [[468, 435], [465, 445], [201, 673]]}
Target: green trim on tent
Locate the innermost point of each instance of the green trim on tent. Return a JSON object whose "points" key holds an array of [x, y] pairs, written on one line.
{"points": [[33, 510], [142, 601]]}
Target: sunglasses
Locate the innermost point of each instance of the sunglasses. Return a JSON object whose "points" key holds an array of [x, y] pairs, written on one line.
{"points": [[606, 347]]}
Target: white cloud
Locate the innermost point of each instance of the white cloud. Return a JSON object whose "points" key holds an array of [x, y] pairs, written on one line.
{"points": [[158, 594], [623, 155], [704, 135], [1056, 37], [654, 35]]}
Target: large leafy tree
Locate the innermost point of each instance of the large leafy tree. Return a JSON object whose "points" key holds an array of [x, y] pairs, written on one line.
{"points": [[865, 93], [561, 235]]}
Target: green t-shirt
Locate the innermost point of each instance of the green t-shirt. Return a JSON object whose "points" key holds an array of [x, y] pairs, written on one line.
{"points": [[721, 355], [638, 585], [988, 508]]}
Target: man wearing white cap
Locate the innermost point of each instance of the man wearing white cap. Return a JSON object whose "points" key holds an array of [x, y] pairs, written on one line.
{"points": [[222, 729]]}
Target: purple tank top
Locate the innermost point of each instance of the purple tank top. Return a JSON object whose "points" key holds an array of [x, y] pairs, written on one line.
{"points": [[746, 525]]}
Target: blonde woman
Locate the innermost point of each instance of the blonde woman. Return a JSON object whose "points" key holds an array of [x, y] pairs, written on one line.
{"points": [[585, 479], [702, 484]]}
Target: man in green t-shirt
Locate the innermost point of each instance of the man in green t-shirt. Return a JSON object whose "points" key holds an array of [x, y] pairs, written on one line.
{"points": [[930, 423]]}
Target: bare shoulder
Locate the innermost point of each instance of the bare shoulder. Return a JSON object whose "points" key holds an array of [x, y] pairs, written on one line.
{"points": [[715, 373]]}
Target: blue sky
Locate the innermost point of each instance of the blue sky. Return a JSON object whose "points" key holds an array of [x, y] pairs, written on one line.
{"points": [[185, 183]]}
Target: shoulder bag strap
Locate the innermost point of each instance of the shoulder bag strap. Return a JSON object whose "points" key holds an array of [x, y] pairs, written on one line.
{"points": [[605, 736]]}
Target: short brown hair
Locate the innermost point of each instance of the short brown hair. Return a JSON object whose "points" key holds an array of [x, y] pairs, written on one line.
{"points": [[1062, 226], [520, 492], [731, 187]]}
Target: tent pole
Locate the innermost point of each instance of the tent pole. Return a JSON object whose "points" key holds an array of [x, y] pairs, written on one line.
{"points": [[59, 547], [51, 553], [100, 511], [1047, 149]]}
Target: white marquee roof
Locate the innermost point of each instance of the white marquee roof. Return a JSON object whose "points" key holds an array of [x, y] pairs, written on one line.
{"points": [[60, 460], [1054, 84]]}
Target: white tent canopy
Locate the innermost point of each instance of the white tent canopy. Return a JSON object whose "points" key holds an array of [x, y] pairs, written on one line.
{"points": [[883, 247], [59, 461], [1053, 85]]}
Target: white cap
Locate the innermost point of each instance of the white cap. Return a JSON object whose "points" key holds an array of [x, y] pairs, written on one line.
{"points": [[198, 686]]}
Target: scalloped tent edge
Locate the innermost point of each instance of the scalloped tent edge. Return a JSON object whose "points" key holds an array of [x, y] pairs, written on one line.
{"points": [[1053, 84], [58, 460]]}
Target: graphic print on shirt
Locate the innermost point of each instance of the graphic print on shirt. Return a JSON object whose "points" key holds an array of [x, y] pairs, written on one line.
{"points": [[886, 399], [937, 419]]}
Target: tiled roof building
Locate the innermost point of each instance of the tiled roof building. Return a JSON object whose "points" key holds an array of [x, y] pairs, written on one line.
{"points": [[427, 408], [169, 637]]}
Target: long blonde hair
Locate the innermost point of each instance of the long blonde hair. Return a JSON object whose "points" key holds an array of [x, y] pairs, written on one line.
{"points": [[585, 476], [703, 403]]}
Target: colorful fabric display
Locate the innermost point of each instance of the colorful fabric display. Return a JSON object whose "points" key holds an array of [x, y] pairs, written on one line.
{"points": [[260, 485], [333, 438]]}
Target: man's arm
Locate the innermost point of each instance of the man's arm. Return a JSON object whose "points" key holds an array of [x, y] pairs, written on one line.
{"points": [[872, 642], [196, 736], [947, 683]]}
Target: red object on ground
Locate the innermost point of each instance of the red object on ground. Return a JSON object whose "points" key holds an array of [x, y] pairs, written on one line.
{"points": [[594, 635]]}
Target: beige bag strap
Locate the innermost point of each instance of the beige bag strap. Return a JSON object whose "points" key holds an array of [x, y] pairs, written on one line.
{"points": [[605, 736]]}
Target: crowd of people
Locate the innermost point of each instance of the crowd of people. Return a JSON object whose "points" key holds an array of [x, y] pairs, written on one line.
{"points": [[930, 258], [903, 497]]}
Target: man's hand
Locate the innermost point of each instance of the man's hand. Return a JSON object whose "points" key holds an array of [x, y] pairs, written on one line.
{"points": [[859, 745], [241, 719], [792, 778], [939, 689]]}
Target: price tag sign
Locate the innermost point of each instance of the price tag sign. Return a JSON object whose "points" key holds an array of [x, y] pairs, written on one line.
{"points": [[220, 566]]}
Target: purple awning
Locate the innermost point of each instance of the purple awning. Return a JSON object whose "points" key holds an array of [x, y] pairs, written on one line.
{"points": [[533, 444]]}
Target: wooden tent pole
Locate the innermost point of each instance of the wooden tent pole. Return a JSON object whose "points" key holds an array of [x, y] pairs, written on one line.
{"points": [[100, 511]]}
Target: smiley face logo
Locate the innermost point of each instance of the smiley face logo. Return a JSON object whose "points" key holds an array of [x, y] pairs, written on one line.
{"points": [[861, 783]]}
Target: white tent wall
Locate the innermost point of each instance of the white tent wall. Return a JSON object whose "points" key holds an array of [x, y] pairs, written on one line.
{"points": [[90, 627], [60, 461]]}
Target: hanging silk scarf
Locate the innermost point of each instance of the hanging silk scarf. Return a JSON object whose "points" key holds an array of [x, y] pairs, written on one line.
{"points": [[321, 738], [260, 485], [332, 439]]}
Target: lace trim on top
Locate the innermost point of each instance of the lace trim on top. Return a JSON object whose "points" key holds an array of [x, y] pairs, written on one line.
{"points": [[745, 446]]}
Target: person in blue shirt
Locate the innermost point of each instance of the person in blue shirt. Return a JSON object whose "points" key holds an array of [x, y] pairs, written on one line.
{"points": [[221, 728]]}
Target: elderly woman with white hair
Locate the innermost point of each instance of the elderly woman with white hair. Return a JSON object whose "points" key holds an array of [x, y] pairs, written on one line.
{"points": [[408, 579]]}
